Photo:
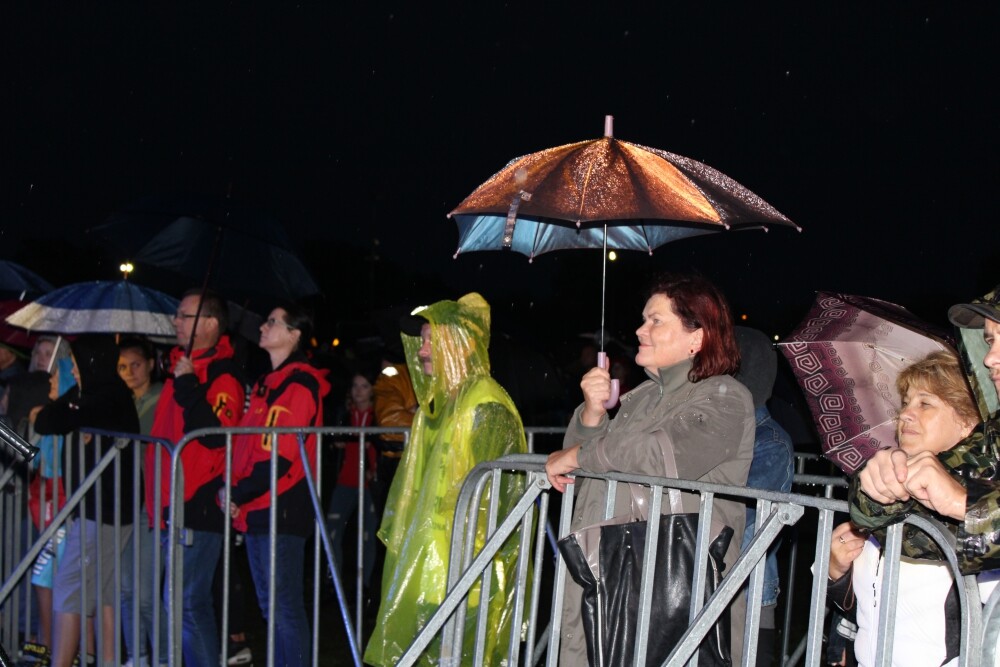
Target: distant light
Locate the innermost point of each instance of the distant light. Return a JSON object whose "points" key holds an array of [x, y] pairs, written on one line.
{"points": [[335, 342], [612, 255], [743, 317], [776, 337], [126, 268], [313, 342]]}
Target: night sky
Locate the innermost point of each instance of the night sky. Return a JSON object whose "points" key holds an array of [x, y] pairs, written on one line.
{"points": [[359, 126]]}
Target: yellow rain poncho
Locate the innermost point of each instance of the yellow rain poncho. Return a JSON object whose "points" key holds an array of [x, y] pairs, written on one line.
{"points": [[465, 418]]}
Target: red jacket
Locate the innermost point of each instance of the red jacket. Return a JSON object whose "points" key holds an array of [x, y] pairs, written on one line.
{"points": [[210, 397], [348, 475], [291, 395]]}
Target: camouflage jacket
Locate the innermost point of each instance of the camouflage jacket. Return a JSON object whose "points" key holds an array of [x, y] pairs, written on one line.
{"points": [[975, 462]]}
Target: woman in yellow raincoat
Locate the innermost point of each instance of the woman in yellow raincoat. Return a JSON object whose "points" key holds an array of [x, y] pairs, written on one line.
{"points": [[465, 418]]}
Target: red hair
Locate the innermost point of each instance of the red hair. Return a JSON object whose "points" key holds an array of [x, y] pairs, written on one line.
{"points": [[700, 305]]}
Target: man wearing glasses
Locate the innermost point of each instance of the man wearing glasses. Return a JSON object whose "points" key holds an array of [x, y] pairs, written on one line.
{"points": [[206, 391]]}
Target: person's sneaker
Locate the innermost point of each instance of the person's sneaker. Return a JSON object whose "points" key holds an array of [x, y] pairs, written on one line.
{"points": [[34, 654], [91, 660], [239, 654]]}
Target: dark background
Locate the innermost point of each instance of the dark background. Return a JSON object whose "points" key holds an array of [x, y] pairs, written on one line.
{"points": [[359, 126]]}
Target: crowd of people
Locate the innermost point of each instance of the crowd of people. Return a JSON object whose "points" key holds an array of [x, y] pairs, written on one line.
{"points": [[701, 414]]}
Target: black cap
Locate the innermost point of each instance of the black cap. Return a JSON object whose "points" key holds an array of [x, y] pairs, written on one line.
{"points": [[974, 315]]}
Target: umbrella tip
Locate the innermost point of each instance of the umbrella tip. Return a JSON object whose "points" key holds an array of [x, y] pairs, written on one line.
{"points": [[609, 126]]}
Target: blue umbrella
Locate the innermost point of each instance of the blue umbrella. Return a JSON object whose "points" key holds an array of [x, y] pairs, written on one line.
{"points": [[17, 282], [100, 307]]}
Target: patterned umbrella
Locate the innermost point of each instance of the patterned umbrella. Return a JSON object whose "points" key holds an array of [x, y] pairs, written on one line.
{"points": [[846, 355], [100, 307]]}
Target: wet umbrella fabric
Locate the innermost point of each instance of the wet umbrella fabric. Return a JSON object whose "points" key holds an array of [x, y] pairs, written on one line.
{"points": [[100, 307], [604, 193], [247, 253], [846, 355], [583, 194], [18, 282]]}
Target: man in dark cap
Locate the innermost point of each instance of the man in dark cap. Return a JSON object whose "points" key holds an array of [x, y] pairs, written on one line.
{"points": [[960, 484]]}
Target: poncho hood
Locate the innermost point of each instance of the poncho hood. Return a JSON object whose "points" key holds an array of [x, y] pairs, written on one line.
{"points": [[460, 340]]}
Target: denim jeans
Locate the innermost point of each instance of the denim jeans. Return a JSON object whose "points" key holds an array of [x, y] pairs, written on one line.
{"points": [[199, 630], [342, 506], [142, 587], [773, 468], [291, 625]]}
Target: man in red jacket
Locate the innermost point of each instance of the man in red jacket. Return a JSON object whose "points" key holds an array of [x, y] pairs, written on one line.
{"points": [[206, 391]]}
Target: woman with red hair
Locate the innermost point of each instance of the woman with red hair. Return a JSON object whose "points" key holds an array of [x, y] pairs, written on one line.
{"points": [[690, 405]]}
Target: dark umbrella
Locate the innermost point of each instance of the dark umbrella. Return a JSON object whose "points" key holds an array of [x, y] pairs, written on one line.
{"points": [[846, 355], [605, 193], [18, 282], [231, 248]]}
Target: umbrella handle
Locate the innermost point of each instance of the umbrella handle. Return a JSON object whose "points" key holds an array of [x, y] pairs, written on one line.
{"points": [[602, 362]]}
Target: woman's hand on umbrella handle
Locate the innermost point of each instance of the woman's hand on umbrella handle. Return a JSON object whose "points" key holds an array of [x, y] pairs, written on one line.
{"points": [[596, 387], [602, 362]]}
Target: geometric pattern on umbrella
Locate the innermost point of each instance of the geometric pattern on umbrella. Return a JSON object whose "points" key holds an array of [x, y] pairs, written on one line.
{"points": [[100, 307], [846, 355]]}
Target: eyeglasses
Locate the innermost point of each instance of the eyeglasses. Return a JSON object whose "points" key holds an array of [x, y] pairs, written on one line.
{"points": [[270, 322]]}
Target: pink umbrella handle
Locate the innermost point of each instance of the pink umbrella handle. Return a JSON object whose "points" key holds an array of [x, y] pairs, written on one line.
{"points": [[602, 362]]}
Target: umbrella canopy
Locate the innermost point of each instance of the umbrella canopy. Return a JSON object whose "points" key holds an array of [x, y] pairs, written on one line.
{"points": [[604, 192], [100, 307], [18, 282], [241, 252], [846, 355], [10, 335]]}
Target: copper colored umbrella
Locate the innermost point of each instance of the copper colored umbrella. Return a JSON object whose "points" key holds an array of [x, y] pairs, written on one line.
{"points": [[604, 193]]}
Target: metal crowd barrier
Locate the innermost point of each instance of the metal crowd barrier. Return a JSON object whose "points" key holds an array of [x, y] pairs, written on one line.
{"points": [[774, 511], [537, 640]]}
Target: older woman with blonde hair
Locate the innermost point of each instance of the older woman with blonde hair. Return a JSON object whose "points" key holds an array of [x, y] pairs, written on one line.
{"points": [[937, 411]]}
